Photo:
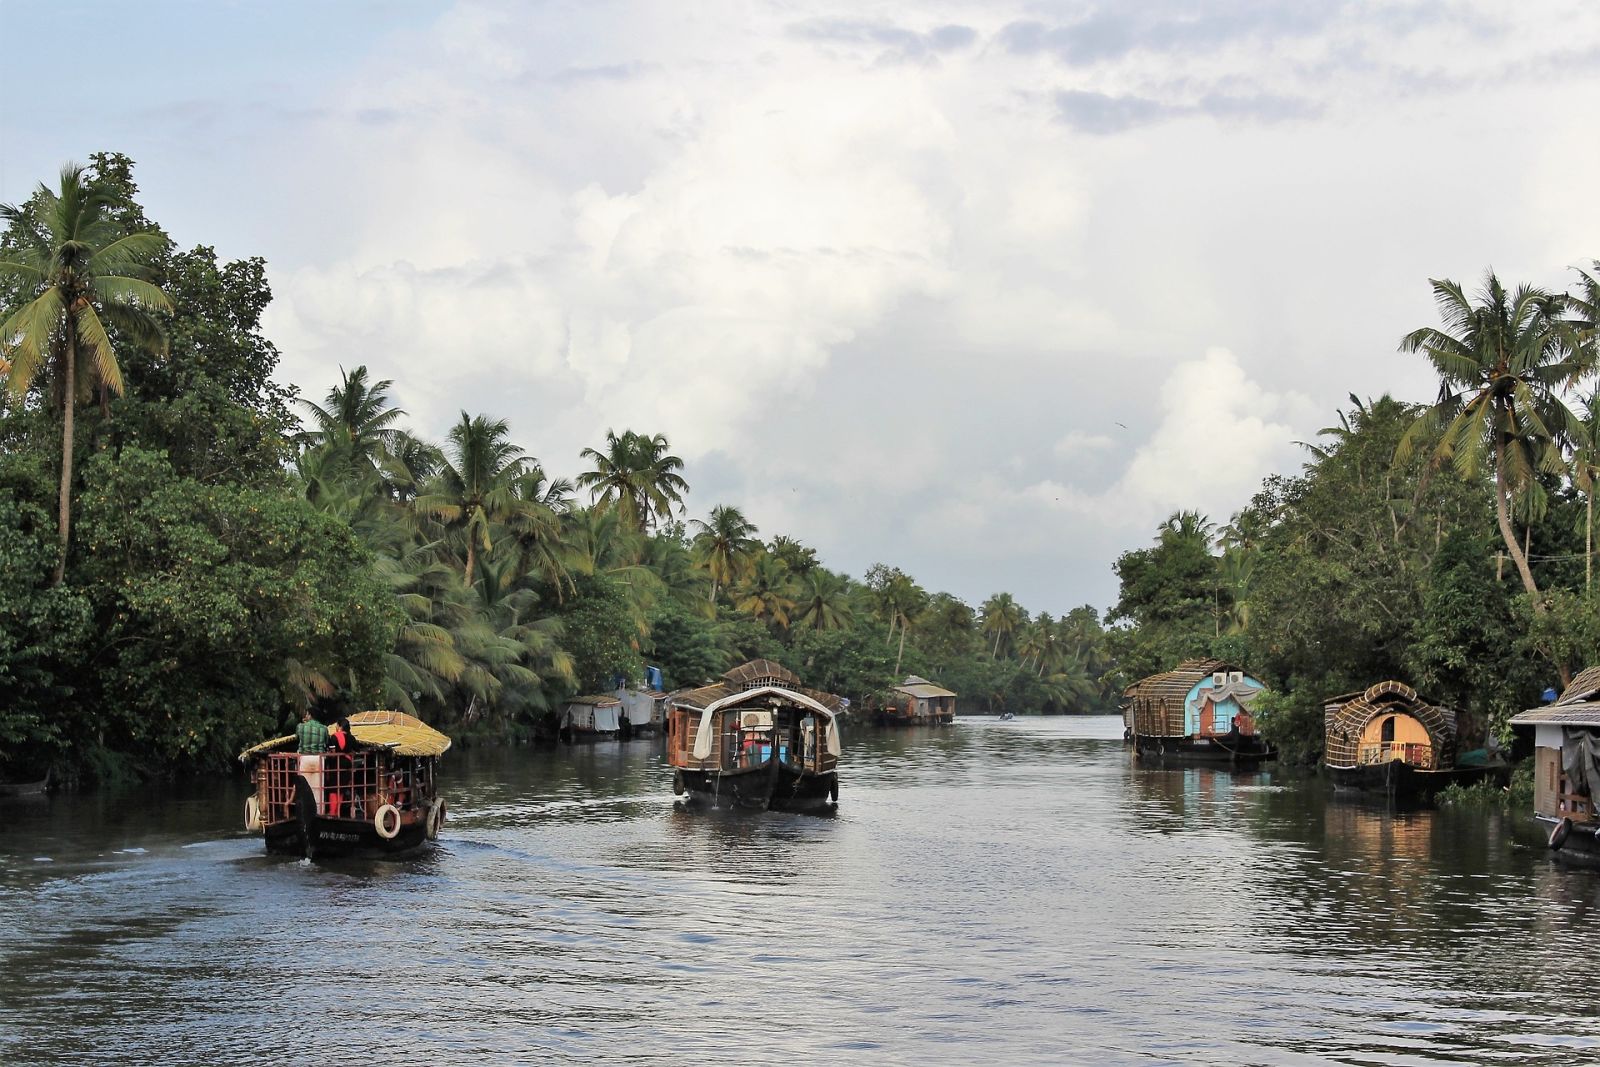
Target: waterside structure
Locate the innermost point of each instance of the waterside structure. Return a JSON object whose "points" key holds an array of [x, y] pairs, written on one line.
{"points": [[758, 738], [1197, 712], [917, 702], [1388, 740], [1566, 768], [590, 718]]}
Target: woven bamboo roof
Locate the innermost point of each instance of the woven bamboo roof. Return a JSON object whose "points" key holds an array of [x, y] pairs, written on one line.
{"points": [[1346, 718], [921, 688], [1153, 706], [757, 672], [598, 699], [394, 730]]}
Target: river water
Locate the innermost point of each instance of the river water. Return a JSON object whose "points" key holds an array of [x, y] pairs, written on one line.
{"points": [[1013, 892]]}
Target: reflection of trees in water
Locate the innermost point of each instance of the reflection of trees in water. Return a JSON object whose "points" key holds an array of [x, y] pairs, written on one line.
{"points": [[1175, 798]]}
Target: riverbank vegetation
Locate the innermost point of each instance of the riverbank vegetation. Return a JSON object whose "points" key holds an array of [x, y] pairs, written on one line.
{"points": [[190, 550], [1449, 545]]}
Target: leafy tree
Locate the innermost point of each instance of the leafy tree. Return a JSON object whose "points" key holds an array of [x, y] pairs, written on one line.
{"points": [[725, 546], [84, 275], [637, 475], [475, 489]]}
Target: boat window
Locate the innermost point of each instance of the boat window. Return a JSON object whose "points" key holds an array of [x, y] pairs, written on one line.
{"points": [[1388, 729]]}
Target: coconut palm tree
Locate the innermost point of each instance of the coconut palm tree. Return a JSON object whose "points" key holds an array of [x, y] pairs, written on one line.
{"points": [[84, 273], [1503, 361], [637, 475], [766, 592], [823, 602], [725, 545], [476, 487], [357, 418], [1002, 616]]}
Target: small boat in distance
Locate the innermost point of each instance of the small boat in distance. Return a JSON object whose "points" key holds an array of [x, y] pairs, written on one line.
{"points": [[758, 738], [1198, 712], [378, 794], [1390, 742]]}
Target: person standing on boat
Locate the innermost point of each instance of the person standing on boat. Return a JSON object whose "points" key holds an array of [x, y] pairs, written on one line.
{"points": [[313, 742]]}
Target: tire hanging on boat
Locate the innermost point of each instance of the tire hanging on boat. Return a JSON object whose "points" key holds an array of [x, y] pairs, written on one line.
{"points": [[1559, 834], [387, 828], [434, 821], [677, 783]]}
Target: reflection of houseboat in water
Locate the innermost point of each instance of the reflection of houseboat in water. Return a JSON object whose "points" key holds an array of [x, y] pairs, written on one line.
{"points": [[378, 794], [1198, 711], [590, 718], [1388, 740], [756, 739], [917, 702], [1566, 767]]}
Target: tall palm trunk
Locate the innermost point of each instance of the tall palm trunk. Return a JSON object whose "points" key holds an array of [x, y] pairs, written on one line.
{"points": [[69, 396], [1588, 540], [472, 556], [1502, 514], [902, 652]]}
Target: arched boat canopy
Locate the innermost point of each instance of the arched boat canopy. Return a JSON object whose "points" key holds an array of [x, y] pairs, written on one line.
{"points": [[402, 734], [702, 735]]}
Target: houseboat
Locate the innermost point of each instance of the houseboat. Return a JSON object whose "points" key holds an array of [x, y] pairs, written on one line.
{"points": [[378, 794], [1389, 741], [758, 738], [1566, 768], [591, 718], [917, 702], [1197, 712]]}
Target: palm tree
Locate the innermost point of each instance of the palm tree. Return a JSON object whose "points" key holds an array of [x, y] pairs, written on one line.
{"points": [[1502, 364], [84, 273], [1002, 615], [358, 418], [637, 475], [475, 487], [725, 545], [766, 592], [824, 601]]}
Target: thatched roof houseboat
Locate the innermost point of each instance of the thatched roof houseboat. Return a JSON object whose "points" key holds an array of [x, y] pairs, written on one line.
{"points": [[378, 793], [591, 718], [917, 702], [1566, 767], [1198, 711], [758, 738], [1389, 740]]}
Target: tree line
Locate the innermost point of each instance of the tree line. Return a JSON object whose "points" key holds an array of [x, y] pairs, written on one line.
{"points": [[1449, 545], [190, 551]]}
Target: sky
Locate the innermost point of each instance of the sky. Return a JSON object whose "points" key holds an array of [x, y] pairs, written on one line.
{"points": [[981, 290]]}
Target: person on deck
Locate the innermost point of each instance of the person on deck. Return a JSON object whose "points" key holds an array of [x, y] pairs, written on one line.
{"points": [[312, 737]]}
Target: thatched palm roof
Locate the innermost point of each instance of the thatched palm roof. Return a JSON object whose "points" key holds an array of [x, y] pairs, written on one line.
{"points": [[394, 730], [752, 675], [1346, 717], [1155, 704]]}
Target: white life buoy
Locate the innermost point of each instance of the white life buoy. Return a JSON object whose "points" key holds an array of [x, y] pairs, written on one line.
{"points": [[386, 820], [252, 813], [434, 821]]}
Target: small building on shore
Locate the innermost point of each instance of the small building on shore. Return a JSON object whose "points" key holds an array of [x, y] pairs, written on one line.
{"points": [[1198, 711], [918, 702], [591, 718], [1566, 767]]}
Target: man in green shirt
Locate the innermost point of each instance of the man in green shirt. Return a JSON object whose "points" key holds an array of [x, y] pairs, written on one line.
{"points": [[312, 735]]}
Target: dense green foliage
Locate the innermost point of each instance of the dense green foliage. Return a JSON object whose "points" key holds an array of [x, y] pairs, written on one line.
{"points": [[226, 563]]}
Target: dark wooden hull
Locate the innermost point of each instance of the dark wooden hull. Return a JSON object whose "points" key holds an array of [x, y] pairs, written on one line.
{"points": [[1226, 750], [1579, 848], [773, 786], [1404, 781], [342, 837]]}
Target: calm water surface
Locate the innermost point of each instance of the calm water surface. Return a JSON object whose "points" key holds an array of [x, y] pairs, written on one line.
{"points": [[1012, 892]]}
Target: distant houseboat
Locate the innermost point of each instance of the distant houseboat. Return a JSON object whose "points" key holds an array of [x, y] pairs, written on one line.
{"points": [[758, 738], [642, 713], [378, 794], [591, 718], [1566, 768], [1198, 711], [917, 702], [1388, 740]]}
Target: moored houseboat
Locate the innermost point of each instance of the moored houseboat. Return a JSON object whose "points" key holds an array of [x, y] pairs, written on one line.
{"points": [[1197, 712], [758, 738], [917, 702], [1387, 740], [591, 718], [379, 793], [1566, 768]]}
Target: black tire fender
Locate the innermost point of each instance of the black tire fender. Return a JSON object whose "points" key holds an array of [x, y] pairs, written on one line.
{"points": [[1559, 834]]}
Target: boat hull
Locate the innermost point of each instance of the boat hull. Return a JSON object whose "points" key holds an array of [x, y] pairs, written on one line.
{"points": [[1579, 847], [342, 837], [1225, 750], [1395, 778], [780, 789]]}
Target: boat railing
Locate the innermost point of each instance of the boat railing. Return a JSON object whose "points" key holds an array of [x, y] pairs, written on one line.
{"points": [[1415, 754], [344, 785]]}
